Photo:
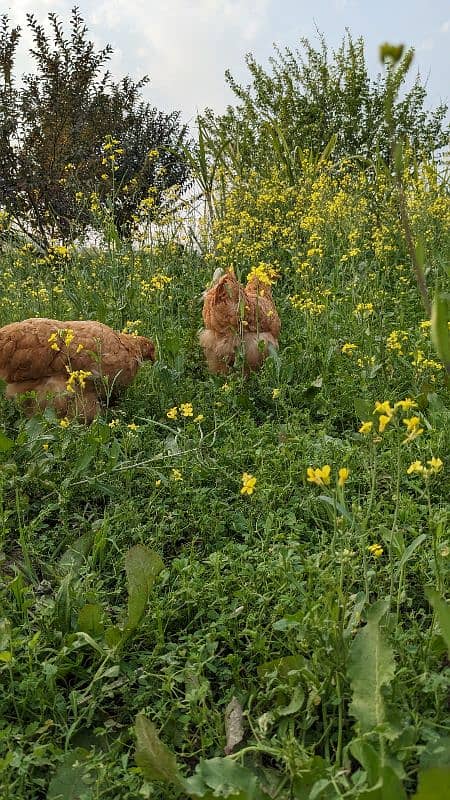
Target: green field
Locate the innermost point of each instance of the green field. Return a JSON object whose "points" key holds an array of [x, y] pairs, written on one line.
{"points": [[309, 600]]}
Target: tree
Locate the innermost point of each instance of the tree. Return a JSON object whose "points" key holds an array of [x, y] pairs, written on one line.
{"points": [[69, 133], [309, 98]]}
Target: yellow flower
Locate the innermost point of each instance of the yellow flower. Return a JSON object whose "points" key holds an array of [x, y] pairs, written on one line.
{"points": [[248, 483], [132, 426], [383, 408], [64, 423], [158, 483], [79, 348], [199, 418], [413, 428], [176, 475], [384, 419], [366, 427], [187, 410], [405, 404], [45, 446], [319, 476], [114, 423], [415, 468], [349, 348], [435, 465], [172, 413], [275, 393], [343, 476], [376, 550]]}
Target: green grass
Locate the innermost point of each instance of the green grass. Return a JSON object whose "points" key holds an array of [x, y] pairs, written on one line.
{"points": [[261, 596]]}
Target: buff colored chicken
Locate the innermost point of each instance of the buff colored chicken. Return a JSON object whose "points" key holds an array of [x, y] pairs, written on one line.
{"points": [[237, 316], [68, 365]]}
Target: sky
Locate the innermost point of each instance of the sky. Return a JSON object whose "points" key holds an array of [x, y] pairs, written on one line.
{"points": [[185, 46]]}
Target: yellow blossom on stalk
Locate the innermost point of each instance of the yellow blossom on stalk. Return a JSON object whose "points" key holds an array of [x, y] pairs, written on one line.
{"points": [[366, 427], [375, 550], [199, 418], [80, 347], [436, 464], [275, 393], [383, 408], [172, 413], [77, 376], [319, 476], [45, 446], [248, 483], [69, 335], [158, 482], [64, 423], [114, 423], [349, 348], [413, 428], [416, 468], [383, 421], [343, 476], [405, 404], [132, 426], [186, 410], [176, 475]]}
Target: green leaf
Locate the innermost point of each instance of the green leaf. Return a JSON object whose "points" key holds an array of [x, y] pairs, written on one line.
{"points": [[142, 566], [368, 758], [156, 761], [442, 610], [222, 777], [71, 779], [90, 619], [335, 505], [389, 787], [5, 443], [434, 784], [410, 549], [371, 666], [440, 333], [295, 704]]}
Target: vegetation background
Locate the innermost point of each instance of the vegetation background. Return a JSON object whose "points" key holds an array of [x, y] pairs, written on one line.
{"points": [[255, 568]]}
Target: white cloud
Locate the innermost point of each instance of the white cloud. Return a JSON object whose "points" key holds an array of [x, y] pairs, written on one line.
{"points": [[445, 27]]}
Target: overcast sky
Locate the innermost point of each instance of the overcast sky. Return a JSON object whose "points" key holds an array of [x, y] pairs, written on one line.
{"points": [[186, 45]]}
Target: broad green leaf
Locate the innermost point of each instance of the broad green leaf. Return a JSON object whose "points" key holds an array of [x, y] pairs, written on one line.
{"points": [[71, 779], [222, 777], [389, 787], [154, 758], [142, 566], [72, 558], [440, 333], [295, 704], [5, 443], [90, 619], [434, 784], [442, 610], [368, 757], [371, 666]]}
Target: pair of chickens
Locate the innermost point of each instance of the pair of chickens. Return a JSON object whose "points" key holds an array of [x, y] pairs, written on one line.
{"points": [[74, 366]]}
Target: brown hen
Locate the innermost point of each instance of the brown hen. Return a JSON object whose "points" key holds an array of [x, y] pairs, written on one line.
{"points": [[68, 365], [237, 316]]}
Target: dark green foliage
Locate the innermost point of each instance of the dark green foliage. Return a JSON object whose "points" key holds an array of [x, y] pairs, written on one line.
{"points": [[53, 124]]}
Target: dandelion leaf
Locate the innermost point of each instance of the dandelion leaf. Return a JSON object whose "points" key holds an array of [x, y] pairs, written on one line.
{"points": [[142, 566], [154, 758], [71, 779], [371, 666]]}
